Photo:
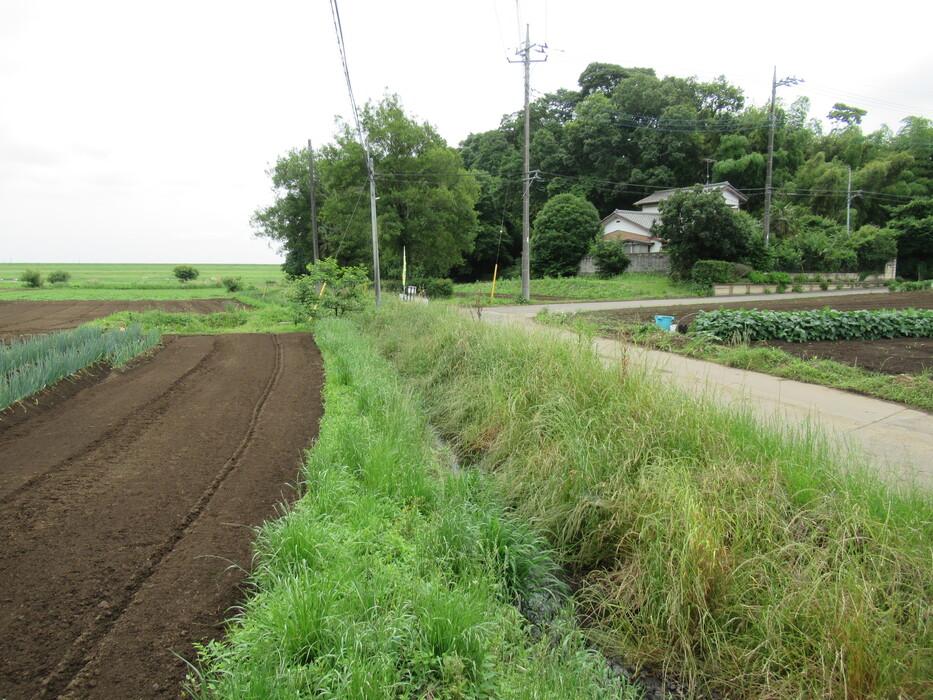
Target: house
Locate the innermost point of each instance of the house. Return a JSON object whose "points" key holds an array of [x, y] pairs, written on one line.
{"points": [[634, 226]]}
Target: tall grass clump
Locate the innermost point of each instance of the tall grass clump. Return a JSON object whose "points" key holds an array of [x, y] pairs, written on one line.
{"points": [[33, 364], [740, 557], [395, 575]]}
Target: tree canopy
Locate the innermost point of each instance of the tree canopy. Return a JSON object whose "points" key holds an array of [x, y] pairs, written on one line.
{"points": [[427, 199], [564, 230], [619, 134]]}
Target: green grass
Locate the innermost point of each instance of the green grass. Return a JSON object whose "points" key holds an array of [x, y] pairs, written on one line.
{"points": [[635, 285], [110, 294], [745, 558], [256, 313], [915, 390], [395, 575], [132, 276], [31, 365]]}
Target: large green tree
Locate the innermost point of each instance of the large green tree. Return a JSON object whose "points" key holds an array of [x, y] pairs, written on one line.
{"points": [[699, 225], [427, 199], [564, 230]]}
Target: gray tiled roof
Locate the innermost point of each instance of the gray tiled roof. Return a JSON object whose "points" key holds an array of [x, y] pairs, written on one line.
{"points": [[661, 195]]}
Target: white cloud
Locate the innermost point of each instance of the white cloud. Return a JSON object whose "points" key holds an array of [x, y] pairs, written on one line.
{"points": [[141, 131]]}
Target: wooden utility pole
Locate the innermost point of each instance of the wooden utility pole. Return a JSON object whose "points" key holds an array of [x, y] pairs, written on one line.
{"points": [[315, 255], [377, 278], [775, 84], [525, 53]]}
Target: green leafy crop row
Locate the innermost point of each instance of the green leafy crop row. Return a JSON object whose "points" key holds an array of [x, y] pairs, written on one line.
{"points": [[29, 366], [824, 324]]}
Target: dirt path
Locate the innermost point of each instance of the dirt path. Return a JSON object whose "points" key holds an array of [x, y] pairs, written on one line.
{"points": [[31, 317], [125, 511]]}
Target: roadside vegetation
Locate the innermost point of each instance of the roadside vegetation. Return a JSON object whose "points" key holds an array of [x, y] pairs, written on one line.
{"points": [[914, 389], [742, 558], [396, 574], [633, 285], [29, 366]]}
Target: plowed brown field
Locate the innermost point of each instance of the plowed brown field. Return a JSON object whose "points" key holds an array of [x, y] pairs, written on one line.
{"points": [[126, 511], [31, 317]]}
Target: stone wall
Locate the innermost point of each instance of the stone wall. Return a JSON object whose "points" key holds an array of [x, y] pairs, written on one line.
{"points": [[640, 262]]}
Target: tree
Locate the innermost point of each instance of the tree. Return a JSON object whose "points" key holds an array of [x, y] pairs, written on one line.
{"points": [[913, 222], [564, 229], [698, 225], [846, 115], [427, 199], [185, 273], [874, 247]]}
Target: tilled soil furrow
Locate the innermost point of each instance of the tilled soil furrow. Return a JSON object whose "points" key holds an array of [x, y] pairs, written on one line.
{"points": [[83, 648], [194, 590], [120, 432], [80, 545]]}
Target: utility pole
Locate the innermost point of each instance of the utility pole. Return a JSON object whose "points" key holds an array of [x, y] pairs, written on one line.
{"points": [[849, 202], [525, 53], [377, 278], [775, 84], [314, 247]]}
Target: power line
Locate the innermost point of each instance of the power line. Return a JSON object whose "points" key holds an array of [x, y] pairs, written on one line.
{"points": [[338, 28]]}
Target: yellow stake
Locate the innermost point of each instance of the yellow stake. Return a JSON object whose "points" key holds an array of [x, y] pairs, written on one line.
{"points": [[492, 294]]}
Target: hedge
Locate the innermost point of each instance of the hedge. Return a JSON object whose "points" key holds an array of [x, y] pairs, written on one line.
{"points": [[710, 272], [433, 287], [825, 324]]}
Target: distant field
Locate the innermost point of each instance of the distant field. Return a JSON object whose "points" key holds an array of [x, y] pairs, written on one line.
{"points": [[129, 276]]}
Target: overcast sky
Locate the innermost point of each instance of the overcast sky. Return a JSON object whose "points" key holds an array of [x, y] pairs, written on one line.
{"points": [[140, 131]]}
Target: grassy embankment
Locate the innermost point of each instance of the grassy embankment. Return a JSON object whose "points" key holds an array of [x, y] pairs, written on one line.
{"points": [[31, 365], [738, 556], [396, 575], [915, 390], [634, 285]]}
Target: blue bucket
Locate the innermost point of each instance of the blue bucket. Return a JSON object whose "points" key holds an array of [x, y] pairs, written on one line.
{"points": [[663, 322]]}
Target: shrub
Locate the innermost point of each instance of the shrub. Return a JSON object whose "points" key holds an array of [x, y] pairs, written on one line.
{"points": [[435, 287], [59, 277], [909, 286], [610, 258], [185, 273], [825, 324], [329, 286], [769, 278], [741, 270], [563, 231], [710, 272], [232, 284], [31, 278]]}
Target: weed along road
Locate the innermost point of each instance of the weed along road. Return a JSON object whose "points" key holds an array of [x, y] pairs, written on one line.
{"points": [[126, 511]]}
